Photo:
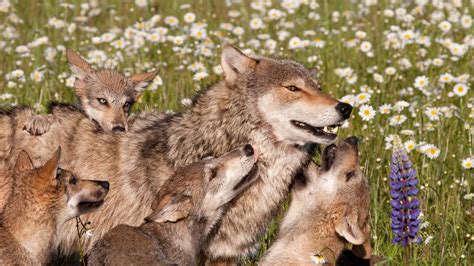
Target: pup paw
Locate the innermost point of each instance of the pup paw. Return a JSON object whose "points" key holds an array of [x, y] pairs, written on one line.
{"points": [[37, 125]]}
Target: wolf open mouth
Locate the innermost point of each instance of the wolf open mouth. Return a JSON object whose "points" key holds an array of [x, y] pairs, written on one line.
{"points": [[90, 204], [250, 176], [329, 132]]}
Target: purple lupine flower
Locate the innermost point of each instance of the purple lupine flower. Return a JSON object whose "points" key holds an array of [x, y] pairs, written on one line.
{"points": [[405, 205]]}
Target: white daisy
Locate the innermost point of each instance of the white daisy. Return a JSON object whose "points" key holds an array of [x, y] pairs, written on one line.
{"points": [[468, 163], [430, 150], [385, 108], [409, 145], [366, 112], [460, 89], [433, 113], [397, 120], [365, 46], [421, 82]]}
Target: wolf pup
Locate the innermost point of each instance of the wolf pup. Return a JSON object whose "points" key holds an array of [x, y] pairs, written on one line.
{"points": [[105, 95], [185, 211], [327, 211], [43, 199]]}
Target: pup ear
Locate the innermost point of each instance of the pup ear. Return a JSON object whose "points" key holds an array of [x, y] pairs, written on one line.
{"points": [[142, 80], [23, 163], [170, 209], [349, 228], [235, 63], [364, 251], [50, 168], [80, 68]]}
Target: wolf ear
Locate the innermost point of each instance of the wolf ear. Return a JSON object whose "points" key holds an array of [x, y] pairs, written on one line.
{"points": [[349, 228], [23, 163], [235, 63], [50, 168], [364, 251], [142, 80], [170, 208], [80, 68]]}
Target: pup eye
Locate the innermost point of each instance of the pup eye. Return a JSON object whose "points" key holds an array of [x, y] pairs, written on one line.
{"points": [[73, 180], [58, 173], [292, 88], [102, 100], [350, 175]]}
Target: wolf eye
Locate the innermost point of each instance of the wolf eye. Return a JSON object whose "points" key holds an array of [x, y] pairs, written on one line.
{"points": [[292, 88], [73, 180], [350, 175], [126, 104], [102, 100]]}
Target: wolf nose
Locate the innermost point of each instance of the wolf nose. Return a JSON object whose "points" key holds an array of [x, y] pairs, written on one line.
{"points": [[344, 109], [118, 129], [105, 185], [248, 150]]}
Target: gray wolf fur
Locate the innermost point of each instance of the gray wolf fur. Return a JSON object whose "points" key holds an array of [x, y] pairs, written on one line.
{"points": [[275, 105], [43, 199], [184, 211]]}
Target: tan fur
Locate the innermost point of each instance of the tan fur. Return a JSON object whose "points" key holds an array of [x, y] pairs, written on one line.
{"points": [[185, 210], [226, 116], [42, 200], [328, 211]]}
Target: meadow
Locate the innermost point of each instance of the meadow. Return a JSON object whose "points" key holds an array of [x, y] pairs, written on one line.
{"points": [[405, 66]]}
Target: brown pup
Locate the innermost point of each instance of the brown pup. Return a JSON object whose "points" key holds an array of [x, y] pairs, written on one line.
{"points": [[42, 200], [105, 95], [328, 211], [187, 207]]}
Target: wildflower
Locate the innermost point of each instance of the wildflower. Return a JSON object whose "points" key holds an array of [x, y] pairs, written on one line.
{"points": [[466, 21], [409, 145], [430, 150], [37, 76], [432, 113], [390, 71], [405, 204], [467, 163], [171, 21], [397, 120], [362, 98], [385, 108], [460, 89], [256, 23], [365, 46], [318, 259], [446, 78], [186, 101], [421, 82], [367, 112], [189, 17], [200, 75], [141, 3], [445, 26], [295, 43]]}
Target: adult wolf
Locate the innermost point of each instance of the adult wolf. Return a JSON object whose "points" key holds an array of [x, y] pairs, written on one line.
{"points": [[275, 105]]}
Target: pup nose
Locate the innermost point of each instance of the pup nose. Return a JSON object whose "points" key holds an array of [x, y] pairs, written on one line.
{"points": [[118, 129], [344, 109], [248, 150], [105, 184]]}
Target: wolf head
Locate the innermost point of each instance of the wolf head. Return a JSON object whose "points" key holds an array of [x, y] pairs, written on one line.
{"points": [[106, 95], [49, 188], [286, 95], [341, 187], [200, 190]]}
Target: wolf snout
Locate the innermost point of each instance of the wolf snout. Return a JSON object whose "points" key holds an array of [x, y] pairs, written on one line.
{"points": [[248, 149], [118, 128], [344, 109]]}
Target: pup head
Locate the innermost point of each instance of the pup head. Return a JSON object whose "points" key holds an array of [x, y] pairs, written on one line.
{"points": [[106, 95], [286, 95], [341, 187], [60, 189], [200, 190]]}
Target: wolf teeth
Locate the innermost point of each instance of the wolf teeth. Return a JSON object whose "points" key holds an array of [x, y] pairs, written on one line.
{"points": [[332, 130]]}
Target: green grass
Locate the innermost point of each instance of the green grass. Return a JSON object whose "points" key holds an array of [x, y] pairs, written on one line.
{"points": [[445, 183]]}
